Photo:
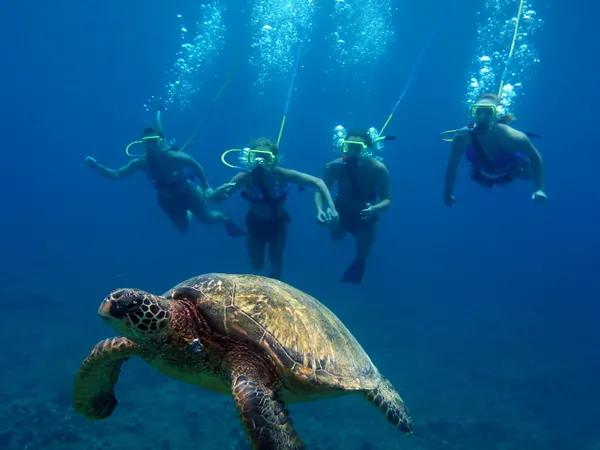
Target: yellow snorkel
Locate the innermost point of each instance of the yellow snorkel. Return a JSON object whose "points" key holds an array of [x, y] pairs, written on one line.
{"points": [[452, 132], [250, 158], [141, 141], [477, 110], [157, 135]]}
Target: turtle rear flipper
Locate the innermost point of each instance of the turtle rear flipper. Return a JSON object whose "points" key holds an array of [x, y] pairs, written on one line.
{"points": [[94, 390], [389, 402], [262, 413]]}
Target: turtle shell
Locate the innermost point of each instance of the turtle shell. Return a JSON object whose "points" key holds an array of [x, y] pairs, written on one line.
{"points": [[303, 337]]}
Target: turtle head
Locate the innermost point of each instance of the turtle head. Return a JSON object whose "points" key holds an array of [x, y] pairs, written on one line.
{"points": [[137, 314]]}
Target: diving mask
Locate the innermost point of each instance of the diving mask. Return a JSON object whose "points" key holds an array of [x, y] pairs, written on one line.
{"points": [[260, 158], [250, 159], [143, 141], [354, 147], [483, 110]]}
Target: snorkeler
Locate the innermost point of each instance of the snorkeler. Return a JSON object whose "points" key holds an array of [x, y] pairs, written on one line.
{"points": [[265, 187], [498, 153], [363, 193], [179, 181]]}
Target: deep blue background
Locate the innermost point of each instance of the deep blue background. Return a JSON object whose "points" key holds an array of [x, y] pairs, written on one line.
{"points": [[494, 281]]}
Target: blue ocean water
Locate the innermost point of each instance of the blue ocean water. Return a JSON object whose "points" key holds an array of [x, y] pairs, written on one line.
{"points": [[482, 315]]}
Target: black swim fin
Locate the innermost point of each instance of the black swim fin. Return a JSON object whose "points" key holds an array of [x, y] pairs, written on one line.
{"points": [[233, 230], [354, 274]]}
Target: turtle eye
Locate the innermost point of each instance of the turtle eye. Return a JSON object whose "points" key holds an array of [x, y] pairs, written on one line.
{"points": [[131, 304], [125, 305]]}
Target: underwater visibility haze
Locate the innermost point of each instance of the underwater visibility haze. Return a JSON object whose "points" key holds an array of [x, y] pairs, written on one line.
{"points": [[150, 143]]}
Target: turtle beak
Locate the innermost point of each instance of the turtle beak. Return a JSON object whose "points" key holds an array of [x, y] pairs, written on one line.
{"points": [[105, 308]]}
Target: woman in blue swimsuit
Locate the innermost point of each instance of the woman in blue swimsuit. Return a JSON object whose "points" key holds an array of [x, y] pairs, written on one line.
{"points": [[497, 152], [265, 187]]}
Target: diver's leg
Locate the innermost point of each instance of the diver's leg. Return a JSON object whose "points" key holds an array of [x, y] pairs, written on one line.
{"points": [[255, 243], [364, 241], [365, 238], [176, 212], [336, 231], [199, 207], [276, 247], [256, 252]]}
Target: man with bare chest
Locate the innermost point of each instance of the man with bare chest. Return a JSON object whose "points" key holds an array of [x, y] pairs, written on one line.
{"points": [[363, 193]]}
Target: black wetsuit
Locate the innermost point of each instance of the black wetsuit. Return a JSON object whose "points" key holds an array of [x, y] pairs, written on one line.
{"points": [[178, 186], [349, 208], [265, 230]]}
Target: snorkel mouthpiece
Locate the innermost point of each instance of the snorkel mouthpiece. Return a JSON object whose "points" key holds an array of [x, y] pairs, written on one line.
{"points": [[259, 162]]}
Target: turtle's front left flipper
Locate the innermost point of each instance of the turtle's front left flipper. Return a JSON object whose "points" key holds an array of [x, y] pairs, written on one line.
{"points": [[94, 390], [387, 399], [263, 415]]}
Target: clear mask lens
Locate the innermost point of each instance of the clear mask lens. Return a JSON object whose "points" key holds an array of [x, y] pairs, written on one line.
{"points": [[353, 147], [483, 111], [259, 158]]}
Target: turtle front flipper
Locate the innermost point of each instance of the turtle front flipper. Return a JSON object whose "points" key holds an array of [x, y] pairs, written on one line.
{"points": [[263, 414], [389, 402], [94, 390]]}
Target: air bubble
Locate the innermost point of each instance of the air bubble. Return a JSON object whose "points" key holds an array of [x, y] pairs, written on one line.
{"points": [[362, 34], [279, 28], [494, 37], [195, 55]]}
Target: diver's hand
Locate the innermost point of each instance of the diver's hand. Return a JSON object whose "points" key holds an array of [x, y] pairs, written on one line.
{"points": [[539, 196], [209, 193], [332, 215], [221, 193], [322, 217], [368, 212], [449, 200], [91, 162]]}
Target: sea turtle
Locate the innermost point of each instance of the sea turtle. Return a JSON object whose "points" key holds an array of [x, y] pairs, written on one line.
{"points": [[257, 339]]}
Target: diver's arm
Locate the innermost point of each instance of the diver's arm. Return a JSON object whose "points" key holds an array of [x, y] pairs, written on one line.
{"points": [[537, 166], [329, 180], [305, 179], [384, 190], [456, 152], [116, 174], [225, 190]]}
